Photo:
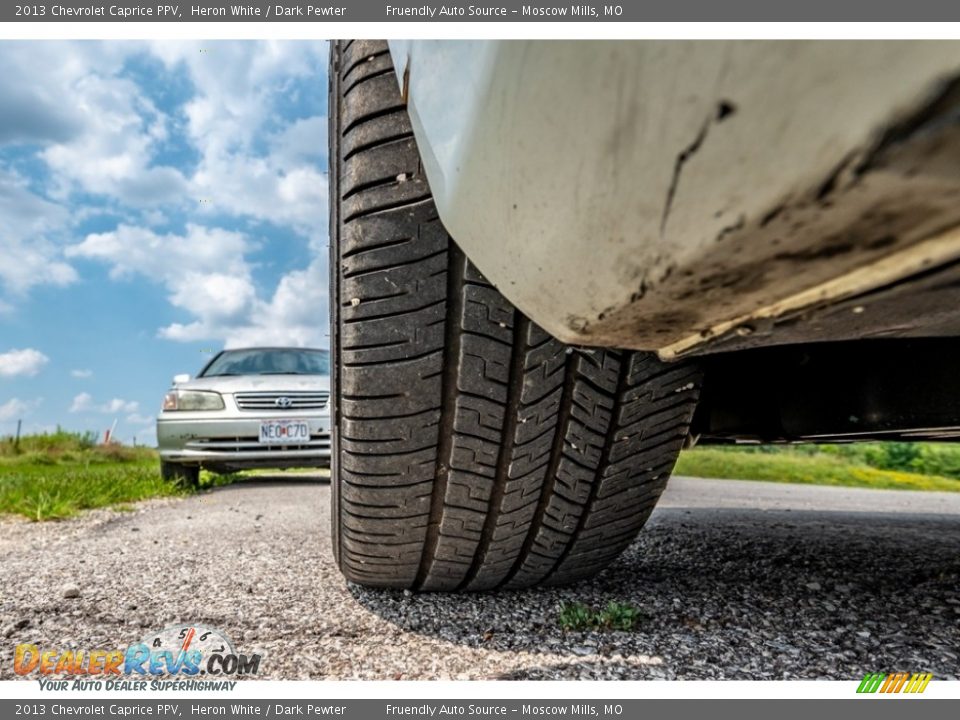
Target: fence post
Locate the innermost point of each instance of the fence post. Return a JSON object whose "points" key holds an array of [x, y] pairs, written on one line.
{"points": [[16, 441]]}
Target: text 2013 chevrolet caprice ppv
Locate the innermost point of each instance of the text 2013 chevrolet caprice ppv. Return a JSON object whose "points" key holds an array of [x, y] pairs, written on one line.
{"points": [[554, 264]]}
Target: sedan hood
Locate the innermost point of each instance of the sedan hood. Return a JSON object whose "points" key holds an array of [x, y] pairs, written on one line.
{"points": [[259, 383]]}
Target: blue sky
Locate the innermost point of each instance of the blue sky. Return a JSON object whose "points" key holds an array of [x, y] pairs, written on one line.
{"points": [[158, 201]]}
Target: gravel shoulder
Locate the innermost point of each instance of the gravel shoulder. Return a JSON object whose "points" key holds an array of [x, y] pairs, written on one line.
{"points": [[739, 580]]}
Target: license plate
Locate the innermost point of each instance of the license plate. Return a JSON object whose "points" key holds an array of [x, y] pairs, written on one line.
{"points": [[284, 432]]}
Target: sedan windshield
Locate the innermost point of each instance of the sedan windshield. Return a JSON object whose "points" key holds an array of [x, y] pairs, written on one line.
{"points": [[273, 361]]}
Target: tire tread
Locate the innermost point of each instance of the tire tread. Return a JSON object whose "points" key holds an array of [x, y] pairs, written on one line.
{"points": [[474, 451]]}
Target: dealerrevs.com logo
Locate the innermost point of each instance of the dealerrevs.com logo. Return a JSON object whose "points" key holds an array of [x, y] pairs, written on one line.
{"points": [[174, 658]]}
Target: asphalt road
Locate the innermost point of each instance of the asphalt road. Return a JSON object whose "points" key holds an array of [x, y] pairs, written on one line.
{"points": [[739, 580]]}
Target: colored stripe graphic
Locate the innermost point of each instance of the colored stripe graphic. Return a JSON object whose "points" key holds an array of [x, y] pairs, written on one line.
{"points": [[871, 682], [918, 682], [894, 683], [898, 681]]}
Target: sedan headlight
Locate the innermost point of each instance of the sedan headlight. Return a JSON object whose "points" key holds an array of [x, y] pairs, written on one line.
{"points": [[192, 400]]}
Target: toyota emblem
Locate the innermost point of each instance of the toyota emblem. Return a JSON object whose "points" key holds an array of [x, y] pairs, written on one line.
{"points": [[283, 402]]}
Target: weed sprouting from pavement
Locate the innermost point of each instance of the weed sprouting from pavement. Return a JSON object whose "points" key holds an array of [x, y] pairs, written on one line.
{"points": [[620, 616], [576, 616]]}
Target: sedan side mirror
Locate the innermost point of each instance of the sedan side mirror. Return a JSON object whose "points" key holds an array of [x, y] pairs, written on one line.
{"points": [[181, 378]]}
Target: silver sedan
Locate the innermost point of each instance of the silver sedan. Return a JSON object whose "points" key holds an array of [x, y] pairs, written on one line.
{"points": [[247, 408]]}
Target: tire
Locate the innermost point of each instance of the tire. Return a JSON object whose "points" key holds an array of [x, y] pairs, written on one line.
{"points": [[472, 450], [187, 476]]}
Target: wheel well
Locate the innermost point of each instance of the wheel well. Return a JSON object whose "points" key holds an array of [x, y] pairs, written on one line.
{"points": [[854, 390]]}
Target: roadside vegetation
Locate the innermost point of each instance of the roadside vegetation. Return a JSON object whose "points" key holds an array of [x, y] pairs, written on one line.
{"points": [[886, 465], [56, 475]]}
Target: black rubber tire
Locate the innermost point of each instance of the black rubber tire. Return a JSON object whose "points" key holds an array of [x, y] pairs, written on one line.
{"points": [[471, 449], [187, 476]]}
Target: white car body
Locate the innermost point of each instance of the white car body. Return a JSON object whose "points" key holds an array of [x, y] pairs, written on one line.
{"points": [[665, 195]]}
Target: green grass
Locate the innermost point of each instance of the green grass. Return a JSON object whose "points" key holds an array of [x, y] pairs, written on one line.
{"points": [[54, 476], [848, 466], [576, 616], [52, 492], [59, 474], [56, 442]]}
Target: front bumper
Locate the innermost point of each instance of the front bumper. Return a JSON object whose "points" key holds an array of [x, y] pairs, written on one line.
{"points": [[211, 440]]}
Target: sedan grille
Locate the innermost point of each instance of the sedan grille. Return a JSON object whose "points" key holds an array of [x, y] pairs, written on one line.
{"points": [[282, 401]]}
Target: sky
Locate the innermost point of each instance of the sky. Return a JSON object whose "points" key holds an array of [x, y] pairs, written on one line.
{"points": [[158, 201]]}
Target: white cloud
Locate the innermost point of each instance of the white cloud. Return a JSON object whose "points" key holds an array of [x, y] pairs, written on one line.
{"points": [[295, 315], [260, 188], [98, 130], [29, 255], [138, 419], [233, 112], [26, 362], [237, 83], [204, 270], [252, 161], [206, 274], [35, 111], [218, 297], [302, 140], [155, 218], [169, 258], [81, 374], [97, 133], [84, 403], [13, 409], [118, 405], [114, 127]]}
